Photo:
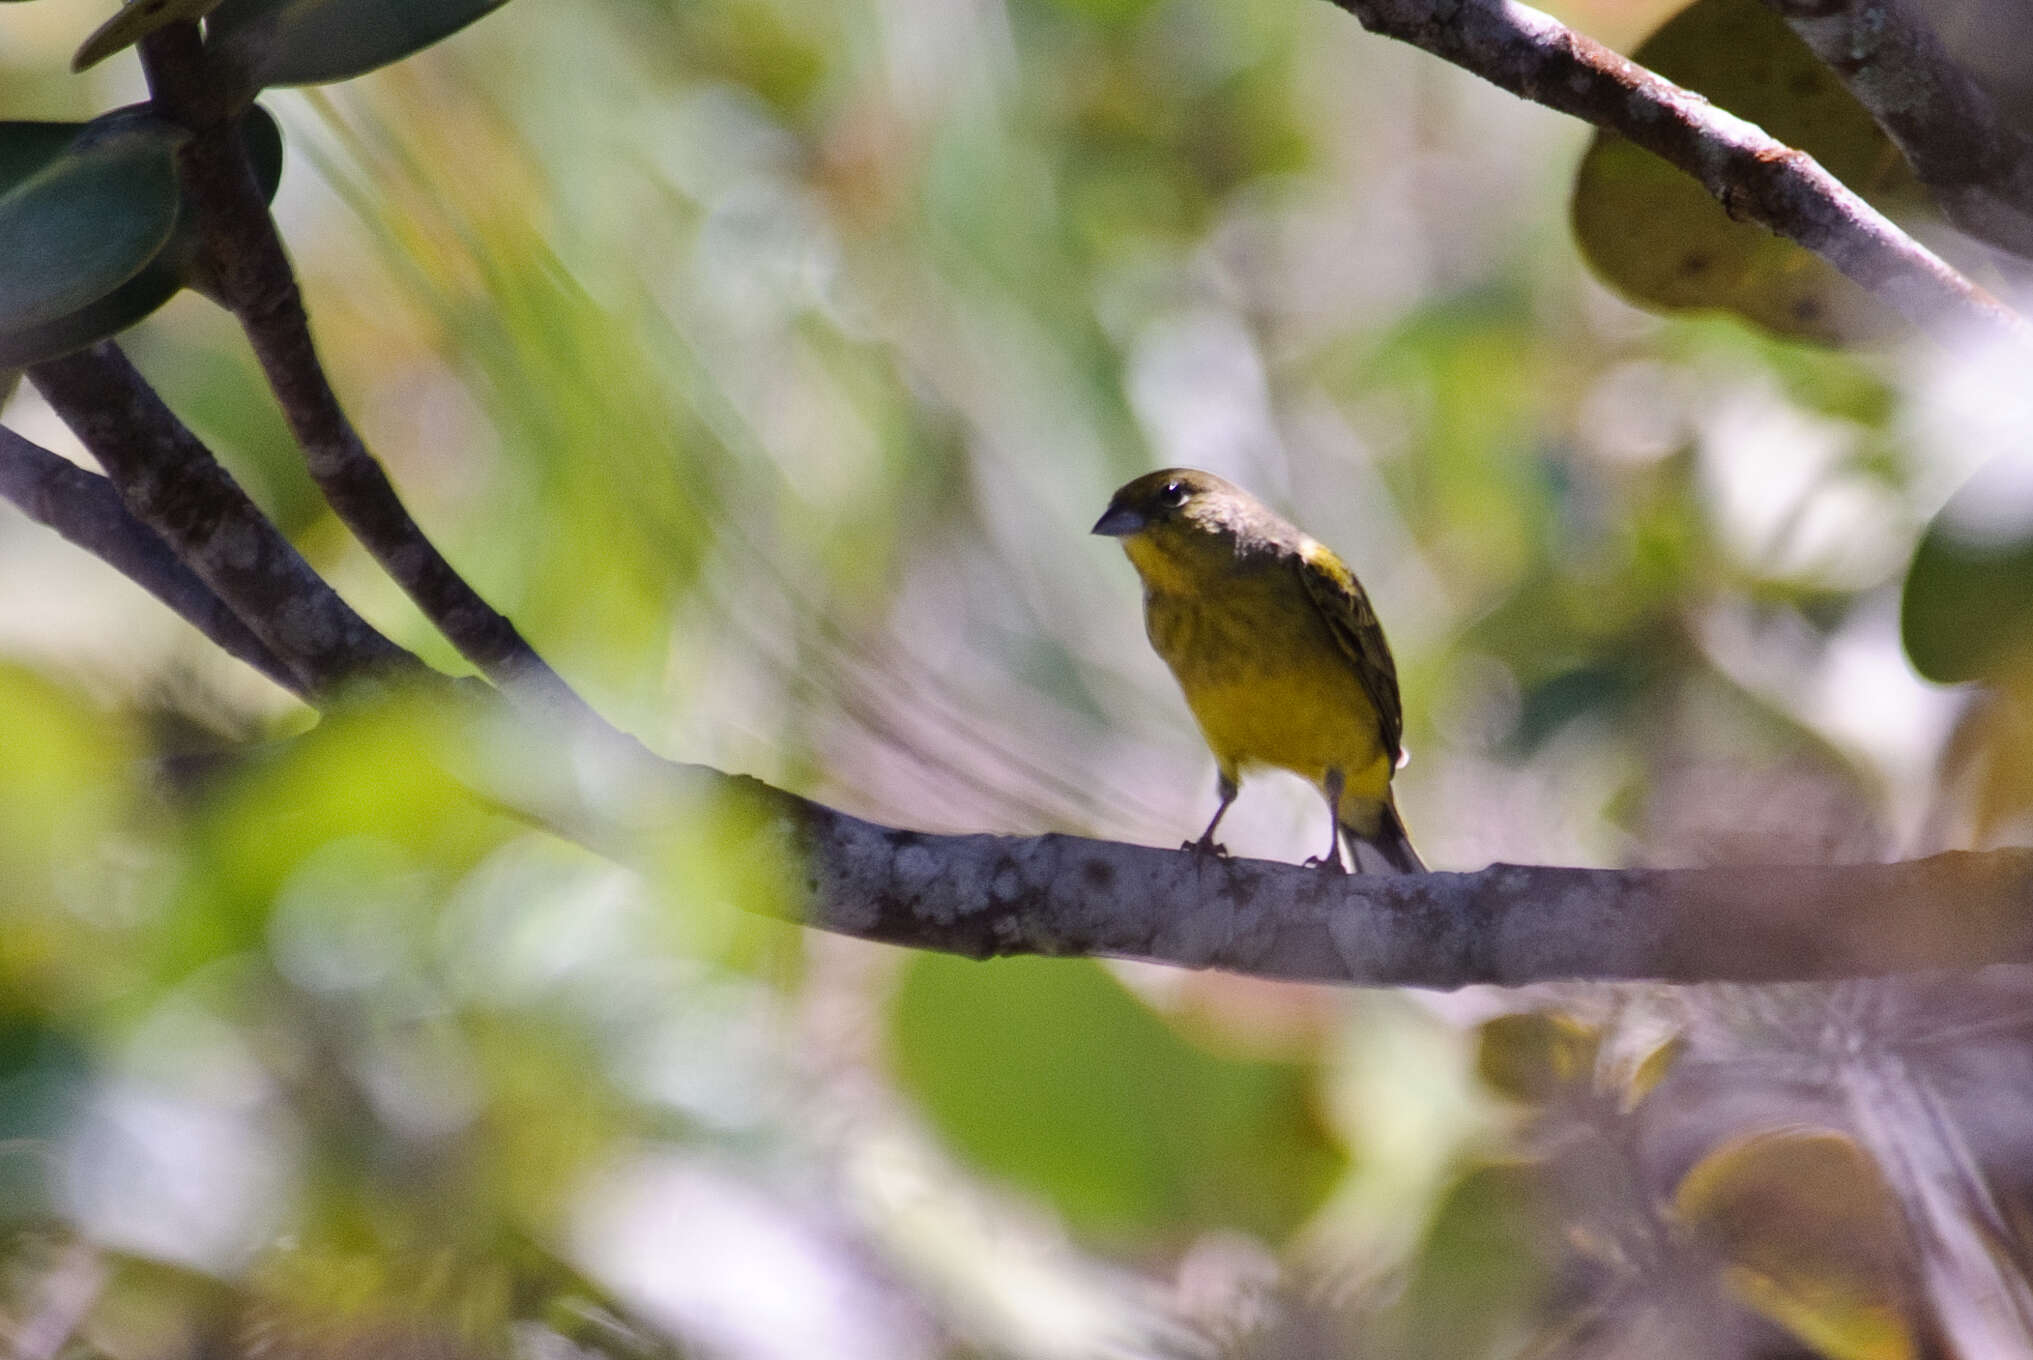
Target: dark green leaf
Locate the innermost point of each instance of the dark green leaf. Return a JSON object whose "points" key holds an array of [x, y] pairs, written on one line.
{"points": [[159, 278], [88, 220], [1968, 607], [43, 1073], [27, 147], [1656, 235], [310, 42], [1047, 1072], [135, 21]]}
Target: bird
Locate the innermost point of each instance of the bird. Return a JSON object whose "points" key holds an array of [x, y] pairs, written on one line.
{"points": [[1277, 649]]}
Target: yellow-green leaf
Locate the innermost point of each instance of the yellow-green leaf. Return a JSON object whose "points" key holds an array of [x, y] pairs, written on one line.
{"points": [[1657, 236], [1812, 1235]]}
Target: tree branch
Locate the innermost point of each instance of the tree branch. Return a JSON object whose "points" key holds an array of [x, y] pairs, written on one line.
{"points": [[1507, 924], [249, 272], [1753, 175], [1979, 168], [86, 510], [169, 481], [1510, 925]]}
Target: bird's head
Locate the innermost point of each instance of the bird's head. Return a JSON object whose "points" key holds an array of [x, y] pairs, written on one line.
{"points": [[1172, 501], [1175, 518]]}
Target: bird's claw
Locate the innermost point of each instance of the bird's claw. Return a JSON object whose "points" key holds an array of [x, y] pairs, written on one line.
{"points": [[1205, 846], [1333, 865]]}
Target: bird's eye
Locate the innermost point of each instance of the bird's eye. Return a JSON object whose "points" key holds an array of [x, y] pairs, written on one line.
{"points": [[1172, 493]]}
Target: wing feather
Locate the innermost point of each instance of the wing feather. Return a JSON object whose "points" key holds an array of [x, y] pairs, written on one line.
{"points": [[1345, 607]]}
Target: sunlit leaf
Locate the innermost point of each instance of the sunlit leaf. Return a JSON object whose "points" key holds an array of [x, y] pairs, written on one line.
{"points": [[1813, 1235], [159, 278], [1988, 759], [1655, 234], [309, 42], [1651, 1069], [1536, 1055], [135, 21], [88, 220], [62, 772], [1108, 13], [1048, 1073], [65, 781]]}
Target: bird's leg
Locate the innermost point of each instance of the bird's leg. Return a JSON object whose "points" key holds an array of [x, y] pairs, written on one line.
{"points": [[1332, 787], [1225, 788]]}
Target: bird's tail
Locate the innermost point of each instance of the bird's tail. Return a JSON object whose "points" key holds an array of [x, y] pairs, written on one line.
{"points": [[1390, 840]]}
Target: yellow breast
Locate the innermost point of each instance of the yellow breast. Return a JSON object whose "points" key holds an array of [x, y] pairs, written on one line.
{"points": [[1266, 681]]}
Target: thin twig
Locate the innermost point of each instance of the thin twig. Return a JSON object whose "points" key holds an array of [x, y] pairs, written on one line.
{"points": [[86, 510], [1753, 175], [171, 482], [1979, 168], [248, 270]]}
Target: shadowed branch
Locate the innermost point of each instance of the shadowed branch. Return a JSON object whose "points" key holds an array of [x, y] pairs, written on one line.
{"points": [[85, 509], [1979, 168], [170, 481], [248, 271], [1750, 173]]}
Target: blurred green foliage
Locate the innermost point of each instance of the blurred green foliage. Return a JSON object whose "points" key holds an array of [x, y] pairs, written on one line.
{"points": [[97, 231], [1049, 1073]]}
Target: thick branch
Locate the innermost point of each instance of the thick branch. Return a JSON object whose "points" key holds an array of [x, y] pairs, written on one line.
{"points": [[983, 896], [1507, 924], [87, 510], [1751, 174], [1979, 168], [169, 480], [249, 272]]}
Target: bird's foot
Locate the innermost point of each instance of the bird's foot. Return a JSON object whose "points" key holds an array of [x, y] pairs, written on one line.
{"points": [[1206, 845], [1332, 863]]}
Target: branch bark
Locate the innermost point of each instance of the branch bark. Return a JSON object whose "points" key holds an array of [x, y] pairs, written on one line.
{"points": [[1506, 924], [248, 271], [86, 509], [1749, 172], [169, 481], [1979, 168]]}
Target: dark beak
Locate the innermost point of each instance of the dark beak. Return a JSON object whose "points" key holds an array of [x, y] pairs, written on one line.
{"points": [[1120, 522]]}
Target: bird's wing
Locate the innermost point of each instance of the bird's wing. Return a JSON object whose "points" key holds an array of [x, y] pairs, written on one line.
{"points": [[1346, 608]]}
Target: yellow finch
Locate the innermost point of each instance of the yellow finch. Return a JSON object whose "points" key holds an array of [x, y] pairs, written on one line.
{"points": [[1276, 647]]}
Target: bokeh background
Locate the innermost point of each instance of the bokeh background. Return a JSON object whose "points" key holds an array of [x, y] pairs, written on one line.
{"points": [[767, 361]]}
